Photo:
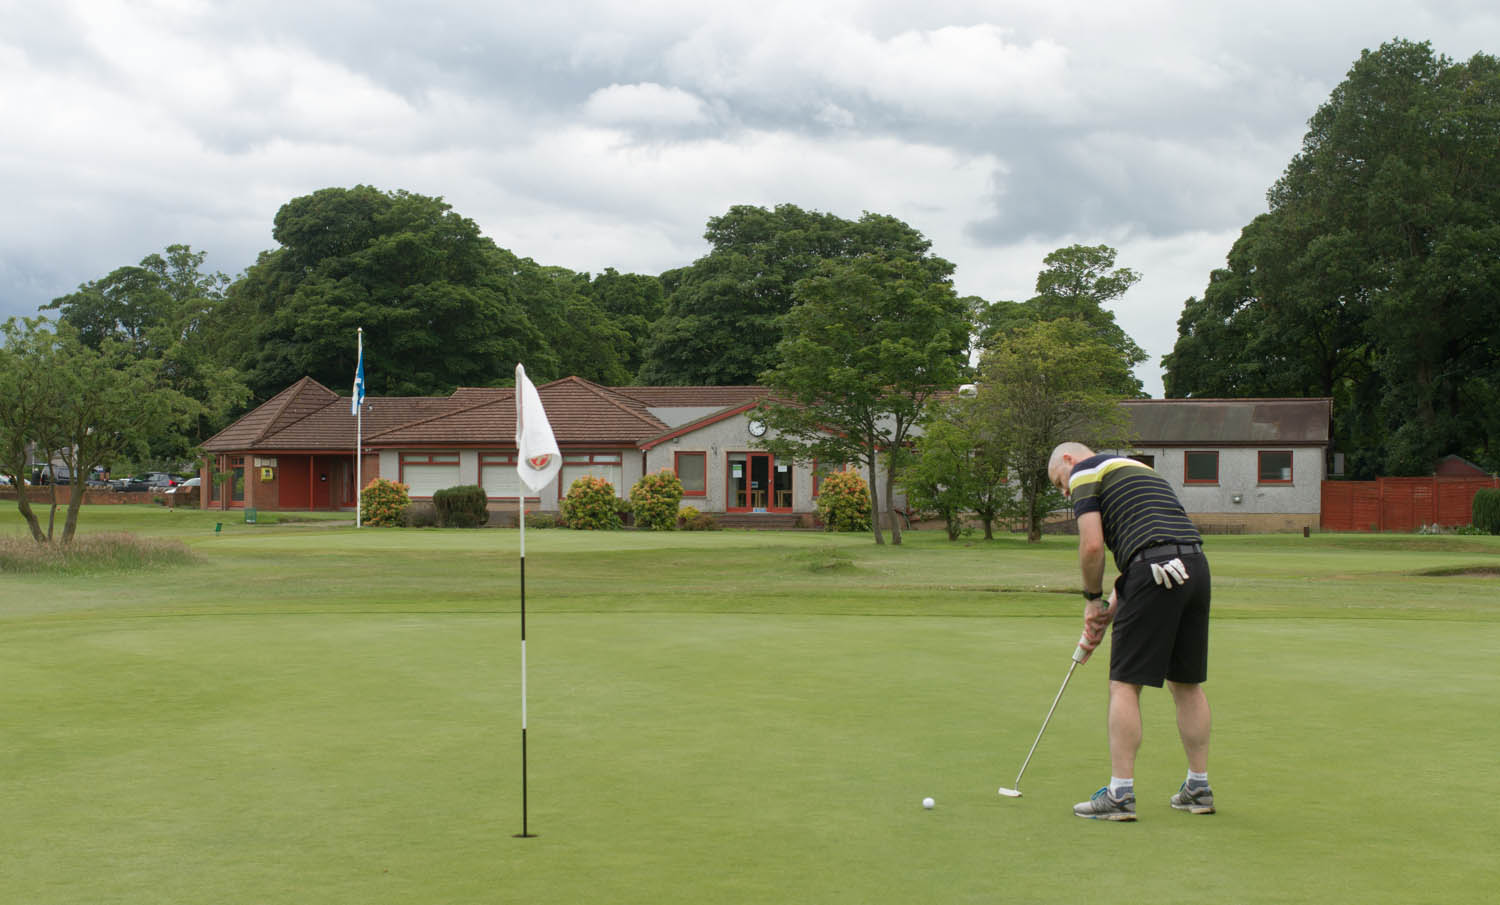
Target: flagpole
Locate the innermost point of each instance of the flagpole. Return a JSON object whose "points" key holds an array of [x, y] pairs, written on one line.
{"points": [[521, 516], [359, 437], [537, 464]]}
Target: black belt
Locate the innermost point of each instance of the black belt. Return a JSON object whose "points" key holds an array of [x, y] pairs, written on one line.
{"points": [[1166, 550]]}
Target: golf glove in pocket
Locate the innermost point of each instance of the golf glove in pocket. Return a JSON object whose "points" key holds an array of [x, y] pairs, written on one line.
{"points": [[1168, 572]]}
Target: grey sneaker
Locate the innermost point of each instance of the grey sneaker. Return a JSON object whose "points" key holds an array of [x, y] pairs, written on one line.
{"points": [[1196, 800], [1103, 806]]}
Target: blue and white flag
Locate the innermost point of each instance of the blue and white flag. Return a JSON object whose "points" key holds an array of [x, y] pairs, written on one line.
{"points": [[537, 457], [359, 381]]}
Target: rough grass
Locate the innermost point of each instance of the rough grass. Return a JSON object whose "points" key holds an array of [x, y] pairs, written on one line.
{"points": [[91, 554]]}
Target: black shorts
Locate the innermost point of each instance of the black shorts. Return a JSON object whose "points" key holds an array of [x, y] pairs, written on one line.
{"points": [[1160, 633]]}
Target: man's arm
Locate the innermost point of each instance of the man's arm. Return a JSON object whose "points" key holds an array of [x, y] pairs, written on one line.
{"points": [[1097, 613], [1091, 551]]}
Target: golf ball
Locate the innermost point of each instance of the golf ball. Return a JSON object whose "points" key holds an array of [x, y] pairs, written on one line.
{"points": [[928, 803]]}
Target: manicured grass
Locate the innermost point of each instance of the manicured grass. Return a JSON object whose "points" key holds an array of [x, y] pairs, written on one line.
{"points": [[319, 714]]}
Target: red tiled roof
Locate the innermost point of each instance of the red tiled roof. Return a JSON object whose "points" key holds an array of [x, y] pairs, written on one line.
{"points": [[308, 415]]}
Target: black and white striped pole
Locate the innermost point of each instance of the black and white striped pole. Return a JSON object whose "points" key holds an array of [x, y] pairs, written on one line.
{"points": [[537, 463]]}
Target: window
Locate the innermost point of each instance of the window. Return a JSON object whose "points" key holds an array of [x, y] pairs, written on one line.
{"points": [[1275, 466], [1148, 461], [599, 465], [1201, 466], [425, 473], [692, 471], [497, 475], [820, 470]]}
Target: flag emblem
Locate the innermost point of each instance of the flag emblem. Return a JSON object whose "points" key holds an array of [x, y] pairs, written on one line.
{"points": [[540, 462]]}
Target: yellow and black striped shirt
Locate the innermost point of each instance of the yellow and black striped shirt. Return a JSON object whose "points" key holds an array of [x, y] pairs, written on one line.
{"points": [[1136, 505]]}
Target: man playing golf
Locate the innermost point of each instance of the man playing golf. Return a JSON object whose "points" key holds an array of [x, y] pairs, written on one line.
{"points": [[1159, 607]]}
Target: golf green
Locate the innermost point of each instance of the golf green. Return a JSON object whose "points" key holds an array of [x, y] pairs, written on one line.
{"points": [[316, 714]]}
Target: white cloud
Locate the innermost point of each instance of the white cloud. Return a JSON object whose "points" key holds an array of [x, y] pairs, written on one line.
{"points": [[646, 103]]}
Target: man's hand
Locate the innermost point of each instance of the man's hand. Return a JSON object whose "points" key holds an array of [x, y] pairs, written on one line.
{"points": [[1166, 573], [1096, 618]]}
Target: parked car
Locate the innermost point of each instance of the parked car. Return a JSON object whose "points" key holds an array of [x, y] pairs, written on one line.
{"points": [[190, 482], [160, 480], [130, 485], [52, 474]]}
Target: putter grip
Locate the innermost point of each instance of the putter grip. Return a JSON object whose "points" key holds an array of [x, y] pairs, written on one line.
{"points": [[1079, 654]]}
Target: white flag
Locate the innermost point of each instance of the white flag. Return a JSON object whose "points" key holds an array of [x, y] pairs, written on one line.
{"points": [[537, 456]]}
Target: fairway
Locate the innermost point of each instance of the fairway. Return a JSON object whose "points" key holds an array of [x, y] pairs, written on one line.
{"points": [[323, 714]]}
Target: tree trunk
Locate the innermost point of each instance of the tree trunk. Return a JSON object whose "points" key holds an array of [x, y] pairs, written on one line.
{"points": [[890, 505], [989, 529], [872, 460], [24, 504], [70, 524]]}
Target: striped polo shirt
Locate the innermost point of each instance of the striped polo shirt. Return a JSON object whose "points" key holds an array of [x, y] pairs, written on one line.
{"points": [[1136, 505]]}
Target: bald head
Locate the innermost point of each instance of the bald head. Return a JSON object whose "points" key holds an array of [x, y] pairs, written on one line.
{"points": [[1064, 457]]}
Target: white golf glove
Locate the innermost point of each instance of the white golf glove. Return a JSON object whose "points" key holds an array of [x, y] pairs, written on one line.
{"points": [[1166, 573]]}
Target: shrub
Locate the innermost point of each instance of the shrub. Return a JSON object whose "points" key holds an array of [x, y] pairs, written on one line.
{"points": [[1486, 513], [702, 521], [687, 514], [844, 502], [542, 520], [655, 498], [591, 505], [461, 507], [419, 515], [382, 503]]}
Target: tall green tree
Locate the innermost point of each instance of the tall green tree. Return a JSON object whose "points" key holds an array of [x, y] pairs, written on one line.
{"points": [[158, 310], [1044, 384], [1374, 276], [439, 302], [1076, 282], [723, 313], [868, 344]]}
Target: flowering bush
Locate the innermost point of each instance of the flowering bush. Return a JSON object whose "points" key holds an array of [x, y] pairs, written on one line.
{"points": [[844, 502], [383, 503], [591, 504], [655, 498]]}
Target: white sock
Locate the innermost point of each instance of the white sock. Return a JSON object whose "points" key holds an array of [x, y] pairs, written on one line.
{"points": [[1197, 779], [1119, 788]]}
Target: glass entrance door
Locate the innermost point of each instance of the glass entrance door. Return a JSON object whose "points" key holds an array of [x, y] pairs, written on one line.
{"points": [[758, 484]]}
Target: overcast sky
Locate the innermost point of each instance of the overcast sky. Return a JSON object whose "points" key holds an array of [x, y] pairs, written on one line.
{"points": [[604, 134]]}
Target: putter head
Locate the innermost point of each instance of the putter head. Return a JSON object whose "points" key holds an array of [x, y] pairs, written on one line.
{"points": [[1010, 793]]}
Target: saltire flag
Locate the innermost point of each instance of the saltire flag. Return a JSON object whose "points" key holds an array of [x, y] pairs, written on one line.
{"points": [[359, 382], [537, 457]]}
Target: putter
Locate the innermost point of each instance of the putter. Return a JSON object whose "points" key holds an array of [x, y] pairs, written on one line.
{"points": [[1078, 657]]}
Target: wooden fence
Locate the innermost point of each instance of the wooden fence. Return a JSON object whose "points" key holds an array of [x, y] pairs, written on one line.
{"points": [[1400, 504]]}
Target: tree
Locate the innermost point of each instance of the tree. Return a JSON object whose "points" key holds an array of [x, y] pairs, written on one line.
{"points": [[31, 396], [868, 344], [158, 310], [634, 303], [440, 304], [1042, 385], [723, 313], [1374, 276], [87, 405], [959, 466], [1076, 282]]}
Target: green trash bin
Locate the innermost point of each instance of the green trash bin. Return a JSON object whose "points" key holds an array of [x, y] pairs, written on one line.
{"points": [[249, 516]]}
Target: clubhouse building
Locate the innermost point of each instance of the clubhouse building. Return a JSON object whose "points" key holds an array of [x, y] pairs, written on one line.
{"points": [[1257, 464]]}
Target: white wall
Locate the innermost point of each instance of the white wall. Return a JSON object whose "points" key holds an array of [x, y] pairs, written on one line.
{"points": [[1239, 477]]}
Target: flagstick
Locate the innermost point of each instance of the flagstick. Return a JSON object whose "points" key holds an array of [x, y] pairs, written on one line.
{"points": [[521, 510], [359, 440]]}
